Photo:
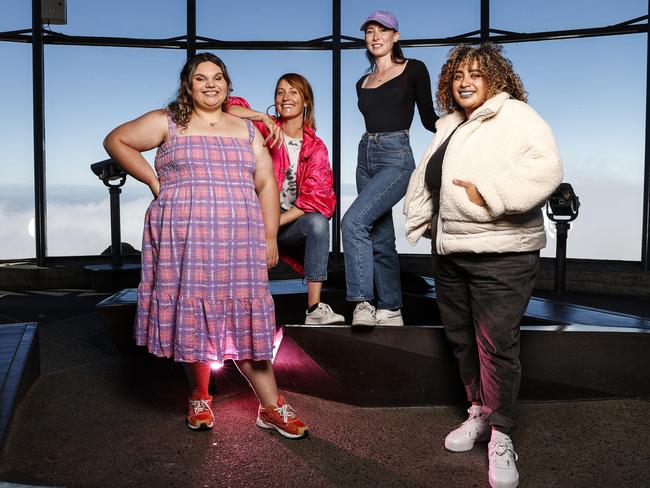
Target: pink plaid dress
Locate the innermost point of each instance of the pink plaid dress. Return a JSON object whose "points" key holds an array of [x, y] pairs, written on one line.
{"points": [[204, 293]]}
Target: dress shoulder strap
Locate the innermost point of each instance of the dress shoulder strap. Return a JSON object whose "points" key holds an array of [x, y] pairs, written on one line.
{"points": [[251, 131], [173, 128]]}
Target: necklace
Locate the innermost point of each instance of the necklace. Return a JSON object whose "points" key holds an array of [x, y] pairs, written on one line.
{"points": [[212, 124], [375, 74]]}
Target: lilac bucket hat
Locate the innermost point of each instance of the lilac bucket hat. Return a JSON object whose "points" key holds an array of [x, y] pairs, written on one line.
{"points": [[383, 17]]}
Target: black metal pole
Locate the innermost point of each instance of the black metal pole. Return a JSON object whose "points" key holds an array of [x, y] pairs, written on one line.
{"points": [[116, 234], [560, 256], [336, 126], [645, 239], [191, 28], [40, 204], [485, 20]]}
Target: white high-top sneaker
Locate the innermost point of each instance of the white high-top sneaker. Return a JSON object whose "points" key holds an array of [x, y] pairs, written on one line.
{"points": [[502, 472], [474, 429]]}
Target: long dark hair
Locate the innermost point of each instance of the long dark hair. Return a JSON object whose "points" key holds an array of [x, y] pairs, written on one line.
{"points": [[396, 55], [181, 107]]}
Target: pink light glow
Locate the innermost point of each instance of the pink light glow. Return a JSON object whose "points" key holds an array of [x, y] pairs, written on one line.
{"points": [[215, 366], [277, 340]]}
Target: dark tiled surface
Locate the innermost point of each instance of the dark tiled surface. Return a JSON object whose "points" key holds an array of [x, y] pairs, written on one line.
{"points": [[95, 419]]}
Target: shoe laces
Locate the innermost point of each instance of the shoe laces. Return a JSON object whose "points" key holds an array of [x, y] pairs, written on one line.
{"points": [[505, 448], [365, 306], [200, 406], [325, 308], [287, 412]]}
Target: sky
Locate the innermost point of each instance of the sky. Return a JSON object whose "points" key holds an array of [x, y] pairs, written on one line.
{"points": [[591, 92]]}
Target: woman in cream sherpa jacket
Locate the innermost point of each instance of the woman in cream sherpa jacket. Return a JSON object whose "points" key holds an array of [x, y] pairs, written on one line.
{"points": [[478, 192], [509, 153]]}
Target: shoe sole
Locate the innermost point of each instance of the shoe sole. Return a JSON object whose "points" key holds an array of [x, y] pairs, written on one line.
{"points": [[335, 322], [260, 423], [201, 426], [503, 484], [390, 325], [363, 324]]}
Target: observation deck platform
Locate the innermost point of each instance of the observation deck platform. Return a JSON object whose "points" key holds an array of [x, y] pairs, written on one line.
{"points": [[98, 417]]}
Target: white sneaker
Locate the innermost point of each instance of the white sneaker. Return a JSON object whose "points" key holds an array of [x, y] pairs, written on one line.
{"points": [[474, 429], [389, 317], [502, 472], [364, 314], [323, 315]]}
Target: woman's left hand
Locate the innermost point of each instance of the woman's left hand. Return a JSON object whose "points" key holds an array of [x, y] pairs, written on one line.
{"points": [[472, 192], [271, 253], [276, 136]]}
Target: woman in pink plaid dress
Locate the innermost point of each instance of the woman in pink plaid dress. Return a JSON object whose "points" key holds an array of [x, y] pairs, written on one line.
{"points": [[209, 236]]}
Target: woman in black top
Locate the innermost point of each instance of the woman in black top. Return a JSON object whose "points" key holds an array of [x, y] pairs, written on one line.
{"points": [[387, 98]]}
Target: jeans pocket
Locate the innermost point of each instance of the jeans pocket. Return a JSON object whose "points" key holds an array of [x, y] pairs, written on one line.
{"points": [[392, 144]]}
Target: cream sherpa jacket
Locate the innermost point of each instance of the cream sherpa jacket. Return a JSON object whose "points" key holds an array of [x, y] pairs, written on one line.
{"points": [[509, 153]]}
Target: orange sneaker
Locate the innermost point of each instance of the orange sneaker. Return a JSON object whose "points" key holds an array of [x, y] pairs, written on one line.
{"points": [[283, 419], [199, 415]]}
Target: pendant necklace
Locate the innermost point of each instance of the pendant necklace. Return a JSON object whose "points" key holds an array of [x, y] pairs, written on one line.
{"points": [[379, 80], [211, 124]]}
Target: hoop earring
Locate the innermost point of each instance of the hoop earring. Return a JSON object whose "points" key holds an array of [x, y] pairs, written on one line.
{"points": [[276, 115]]}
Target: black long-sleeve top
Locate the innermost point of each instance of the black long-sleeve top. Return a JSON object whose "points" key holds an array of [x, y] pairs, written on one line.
{"points": [[391, 106]]}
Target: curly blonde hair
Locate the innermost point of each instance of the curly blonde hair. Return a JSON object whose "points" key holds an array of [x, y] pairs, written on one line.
{"points": [[181, 107], [497, 70]]}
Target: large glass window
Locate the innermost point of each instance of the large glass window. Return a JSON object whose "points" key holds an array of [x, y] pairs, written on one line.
{"points": [[417, 19], [16, 15], [143, 19], [88, 92], [592, 93], [290, 20], [551, 15], [17, 155]]}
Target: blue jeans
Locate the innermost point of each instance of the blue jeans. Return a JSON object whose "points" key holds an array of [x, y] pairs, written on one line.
{"points": [[384, 167], [307, 239]]}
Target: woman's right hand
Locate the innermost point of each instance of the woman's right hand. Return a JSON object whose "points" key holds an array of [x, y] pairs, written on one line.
{"points": [[272, 255], [276, 136]]}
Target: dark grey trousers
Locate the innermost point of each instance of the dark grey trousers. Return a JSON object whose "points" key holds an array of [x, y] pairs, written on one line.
{"points": [[482, 298]]}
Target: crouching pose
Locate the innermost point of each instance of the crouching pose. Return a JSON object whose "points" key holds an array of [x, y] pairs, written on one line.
{"points": [[304, 177]]}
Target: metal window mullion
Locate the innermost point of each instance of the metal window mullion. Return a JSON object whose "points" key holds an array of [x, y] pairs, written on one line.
{"points": [[485, 20], [336, 126], [191, 28], [645, 238], [38, 103]]}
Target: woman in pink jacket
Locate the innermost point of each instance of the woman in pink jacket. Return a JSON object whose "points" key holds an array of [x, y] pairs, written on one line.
{"points": [[304, 176]]}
